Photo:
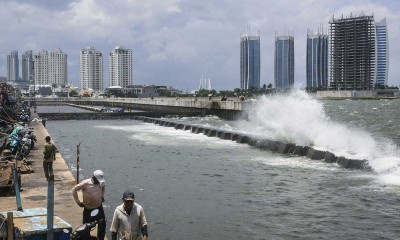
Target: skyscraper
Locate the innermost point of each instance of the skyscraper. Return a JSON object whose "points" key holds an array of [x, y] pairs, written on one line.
{"points": [[317, 60], [13, 66], [382, 53], [50, 68], [249, 61], [27, 66], [41, 67], [120, 67], [284, 62], [91, 69], [352, 48], [58, 73]]}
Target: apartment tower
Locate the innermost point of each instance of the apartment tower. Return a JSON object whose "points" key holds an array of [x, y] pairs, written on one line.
{"points": [[50, 68], [284, 62], [27, 66], [250, 61], [13, 66], [120, 67], [317, 60], [91, 69], [381, 53]]}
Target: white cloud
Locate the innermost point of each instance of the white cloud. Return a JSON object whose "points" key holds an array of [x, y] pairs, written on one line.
{"points": [[174, 42]]}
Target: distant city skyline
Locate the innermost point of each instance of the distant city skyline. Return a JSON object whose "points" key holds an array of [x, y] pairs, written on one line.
{"points": [[175, 42]]}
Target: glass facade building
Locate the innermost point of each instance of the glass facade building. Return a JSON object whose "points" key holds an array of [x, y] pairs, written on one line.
{"points": [[13, 66], [382, 50], [250, 62], [317, 61], [27, 66], [284, 62]]}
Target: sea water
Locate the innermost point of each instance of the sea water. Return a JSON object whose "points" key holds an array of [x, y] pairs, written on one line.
{"points": [[197, 187]]}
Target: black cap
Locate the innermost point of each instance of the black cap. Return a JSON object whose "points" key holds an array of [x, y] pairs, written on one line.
{"points": [[48, 138], [128, 195]]}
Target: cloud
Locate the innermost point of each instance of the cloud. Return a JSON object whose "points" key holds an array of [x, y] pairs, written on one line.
{"points": [[175, 42]]}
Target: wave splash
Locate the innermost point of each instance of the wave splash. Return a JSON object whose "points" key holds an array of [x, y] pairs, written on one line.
{"points": [[299, 118]]}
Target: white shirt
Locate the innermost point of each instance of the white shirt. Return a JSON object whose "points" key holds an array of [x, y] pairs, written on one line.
{"points": [[92, 194]]}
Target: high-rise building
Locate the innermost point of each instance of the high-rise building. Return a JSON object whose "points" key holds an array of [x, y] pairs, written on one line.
{"points": [[91, 69], [382, 53], [27, 66], [58, 73], [41, 68], [284, 62], [120, 67], [352, 49], [13, 66], [50, 67], [317, 60], [250, 61]]}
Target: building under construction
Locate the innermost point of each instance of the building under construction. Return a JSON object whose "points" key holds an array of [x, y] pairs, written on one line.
{"points": [[352, 48]]}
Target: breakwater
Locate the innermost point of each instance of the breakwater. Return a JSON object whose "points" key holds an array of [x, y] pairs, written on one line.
{"points": [[262, 143], [231, 109]]}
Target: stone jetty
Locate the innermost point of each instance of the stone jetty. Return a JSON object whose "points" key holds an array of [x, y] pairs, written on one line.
{"points": [[34, 185]]}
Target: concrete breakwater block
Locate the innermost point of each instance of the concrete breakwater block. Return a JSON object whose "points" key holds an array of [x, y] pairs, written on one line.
{"points": [[211, 133], [242, 139], [315, 154], [170, 124], [353, 163], [253, 141], [157, 121], [225, 135], [263, 143], [297, 150], [330, 157], [187, 127], [273, 146], [162, 122], [179, 126], [199, 130], [235, 136], [286, 148], [194, 129]]}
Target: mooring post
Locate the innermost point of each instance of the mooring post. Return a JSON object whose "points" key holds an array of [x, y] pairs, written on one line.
{"points": [[50, 208], [16, 186], [10, 226], [77, 162]]}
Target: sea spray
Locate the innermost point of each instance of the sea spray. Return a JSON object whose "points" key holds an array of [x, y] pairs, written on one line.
{"points": [[299, 118]]}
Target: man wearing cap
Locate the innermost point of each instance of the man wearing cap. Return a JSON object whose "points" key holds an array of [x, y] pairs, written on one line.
{"points": [[49, 155], [92, 198], [129, 221]]}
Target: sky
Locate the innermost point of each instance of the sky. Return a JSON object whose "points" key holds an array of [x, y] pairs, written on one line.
{"points": [[177, 42]]}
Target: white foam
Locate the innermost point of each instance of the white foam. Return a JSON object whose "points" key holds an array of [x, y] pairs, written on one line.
{"points": [[299, 118]]}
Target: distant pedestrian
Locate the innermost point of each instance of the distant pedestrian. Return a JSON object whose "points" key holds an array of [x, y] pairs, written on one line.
{"points": [[49, 155], [129, 221], [92, 198]]}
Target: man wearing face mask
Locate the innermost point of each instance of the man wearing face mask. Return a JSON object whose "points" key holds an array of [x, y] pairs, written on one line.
{"points": [[92, 198]]}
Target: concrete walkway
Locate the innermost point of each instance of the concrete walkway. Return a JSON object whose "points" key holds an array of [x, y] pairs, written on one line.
{"points": [[34, 188]]}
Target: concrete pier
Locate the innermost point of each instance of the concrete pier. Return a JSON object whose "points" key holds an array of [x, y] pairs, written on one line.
{"points": [[34, 185]]}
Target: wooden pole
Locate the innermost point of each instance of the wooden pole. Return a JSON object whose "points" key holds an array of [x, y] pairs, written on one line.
{"points": [[10, 226], [50, 209], [16, 186], [77, 161]]}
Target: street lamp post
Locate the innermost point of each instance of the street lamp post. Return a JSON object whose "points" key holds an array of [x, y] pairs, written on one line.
{"points": [[34, 83]]}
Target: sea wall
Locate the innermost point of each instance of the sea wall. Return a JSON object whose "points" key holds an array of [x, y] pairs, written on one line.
{"points": [[263, 143]]}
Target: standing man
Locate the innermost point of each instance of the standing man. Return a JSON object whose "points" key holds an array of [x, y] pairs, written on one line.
{"points": [[92, 198], [129, 221], [49, 153]]}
